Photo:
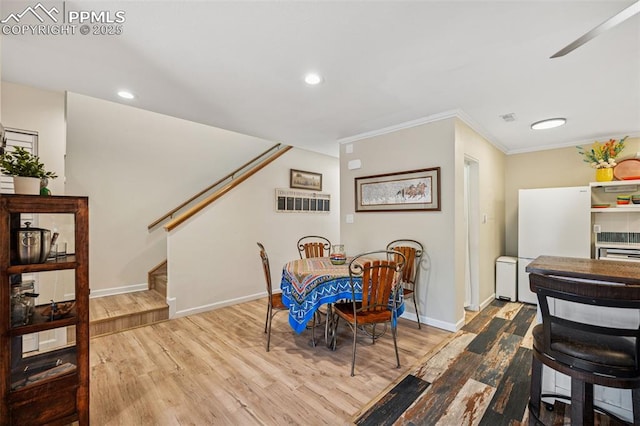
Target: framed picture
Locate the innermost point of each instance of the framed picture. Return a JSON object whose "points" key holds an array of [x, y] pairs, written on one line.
{"points": [[305, 180], [291, 201], [414, 190]]}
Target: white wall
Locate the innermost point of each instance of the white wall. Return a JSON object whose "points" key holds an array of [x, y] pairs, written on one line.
{"points": [[425, 146], [136, 165], [491, 205], [445, 144], [214, 258], [42, 111]]}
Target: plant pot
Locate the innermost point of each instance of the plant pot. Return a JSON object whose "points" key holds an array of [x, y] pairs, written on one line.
{"points": [[604, 175], [26, 185]]}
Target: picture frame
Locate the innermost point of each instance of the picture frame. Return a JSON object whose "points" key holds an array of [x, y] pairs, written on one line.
{"points": [[413, 190], [301, 179], [289, 201]]}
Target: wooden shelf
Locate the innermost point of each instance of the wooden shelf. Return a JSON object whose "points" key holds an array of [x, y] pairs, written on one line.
{"points": [[57, 264], [40, 322]]}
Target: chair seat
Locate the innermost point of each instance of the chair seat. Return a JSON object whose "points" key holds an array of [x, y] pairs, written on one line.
{"points": [[407, 292], [345, 311], [610, 351], [276, 301]]}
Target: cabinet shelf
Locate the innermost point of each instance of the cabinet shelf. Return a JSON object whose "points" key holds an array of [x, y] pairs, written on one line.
{"points": [[632, 209], [40, 322], [37, 369], [615, 183], [60, 263]]}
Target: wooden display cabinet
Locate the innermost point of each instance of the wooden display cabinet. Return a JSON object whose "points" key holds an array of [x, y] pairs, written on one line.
{"points": [[44, 386]]}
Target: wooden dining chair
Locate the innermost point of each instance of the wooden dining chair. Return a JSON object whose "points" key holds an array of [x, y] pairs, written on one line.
{"points": [[313, 246], [379, 302], [412, 251], [274, 301]]}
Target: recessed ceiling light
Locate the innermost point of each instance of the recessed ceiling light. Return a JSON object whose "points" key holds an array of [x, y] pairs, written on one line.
{"points": [[125, 94], [313, 79], [549, 123]]}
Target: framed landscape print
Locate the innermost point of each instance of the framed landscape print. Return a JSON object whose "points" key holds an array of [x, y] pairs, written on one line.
{"points": [[305, 180], [413, 190]]}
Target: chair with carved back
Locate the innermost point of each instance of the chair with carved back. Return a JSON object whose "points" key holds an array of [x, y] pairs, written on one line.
{"points": [[589, 351], [412, 251], [274, 301], [313, 246], [378, 303]]}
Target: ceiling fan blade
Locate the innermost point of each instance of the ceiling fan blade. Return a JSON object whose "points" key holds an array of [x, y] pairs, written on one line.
{"points": [[609, 23]]}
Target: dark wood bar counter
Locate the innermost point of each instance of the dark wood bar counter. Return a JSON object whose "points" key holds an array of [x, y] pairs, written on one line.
{"points": [[590, 269]]}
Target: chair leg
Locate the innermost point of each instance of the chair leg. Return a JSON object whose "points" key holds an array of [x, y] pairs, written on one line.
{"points": [[269, 318], [394, 333], [581, 403], [266, 321], [535, 390], [353, 358], [415, 304], [635, 397]]}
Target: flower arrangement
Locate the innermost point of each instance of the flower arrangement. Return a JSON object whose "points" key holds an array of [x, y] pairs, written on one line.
{"points": [[602, 155]]}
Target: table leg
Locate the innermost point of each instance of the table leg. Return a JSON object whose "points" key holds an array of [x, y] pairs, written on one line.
{"points": [[330, 328]]}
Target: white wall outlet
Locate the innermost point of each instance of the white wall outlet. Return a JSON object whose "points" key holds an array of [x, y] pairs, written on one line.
{"points": [[348, 148], [349, 218]]}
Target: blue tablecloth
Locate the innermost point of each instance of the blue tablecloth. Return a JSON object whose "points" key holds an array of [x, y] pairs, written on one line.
{"points": [[309, 283]]}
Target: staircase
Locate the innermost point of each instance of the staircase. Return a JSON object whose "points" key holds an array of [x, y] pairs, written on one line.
{"points": [[119, 312]]}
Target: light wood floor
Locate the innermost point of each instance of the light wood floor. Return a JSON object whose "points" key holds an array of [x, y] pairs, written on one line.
{"points": [[212, 368]]}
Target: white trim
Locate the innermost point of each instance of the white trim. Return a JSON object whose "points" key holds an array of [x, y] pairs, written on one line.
{"points": [[456, 113], [119, 290], [171, 301], [217, 305], [407, 124], [488, 301], [602, 138], [447, 326]]}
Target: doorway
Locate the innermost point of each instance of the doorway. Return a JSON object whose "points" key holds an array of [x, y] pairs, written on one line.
{"points": [[472, 226]]}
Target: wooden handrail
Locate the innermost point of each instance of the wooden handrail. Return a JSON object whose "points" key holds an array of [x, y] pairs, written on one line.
{"points": [[219, 193], [209, 188]]}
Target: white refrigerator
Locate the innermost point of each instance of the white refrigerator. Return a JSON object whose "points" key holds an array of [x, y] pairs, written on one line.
{"points": [[553, 222]]}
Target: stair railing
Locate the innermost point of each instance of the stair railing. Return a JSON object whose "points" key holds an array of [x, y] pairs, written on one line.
{"points": [[229, 181]]}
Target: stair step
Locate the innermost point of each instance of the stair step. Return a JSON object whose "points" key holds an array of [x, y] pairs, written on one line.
{"points": [[111, 314], [158, 279]]}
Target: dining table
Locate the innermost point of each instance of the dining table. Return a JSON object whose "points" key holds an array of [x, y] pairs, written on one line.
{"points": [[310, 283]]}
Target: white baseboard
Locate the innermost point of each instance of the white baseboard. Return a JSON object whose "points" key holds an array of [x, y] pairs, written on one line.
{"points": [[212, 306], [118, 290], [430, 321], [487, 301]]}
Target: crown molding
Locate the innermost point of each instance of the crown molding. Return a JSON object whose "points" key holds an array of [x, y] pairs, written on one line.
{"points": [[456, 113], [602, 138]]}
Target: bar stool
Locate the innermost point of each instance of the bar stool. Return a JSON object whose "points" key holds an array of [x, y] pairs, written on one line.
{"points": [[590, 354]]}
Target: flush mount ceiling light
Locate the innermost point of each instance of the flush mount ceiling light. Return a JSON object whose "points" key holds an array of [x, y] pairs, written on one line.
{"points": [[549, 123], [125, 94], [312, 79]]}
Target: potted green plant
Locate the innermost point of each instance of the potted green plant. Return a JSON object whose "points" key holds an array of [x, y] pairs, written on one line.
{"points": [[25, 168]]}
